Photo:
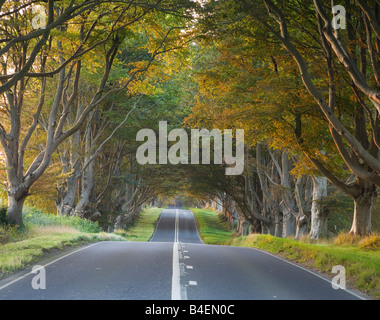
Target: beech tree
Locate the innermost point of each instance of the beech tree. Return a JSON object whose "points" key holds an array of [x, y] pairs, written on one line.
{"points": [[78, 82], [61, 50], [279, 200], [101, 178], [344, 86], [13, 138], [354, 52]]}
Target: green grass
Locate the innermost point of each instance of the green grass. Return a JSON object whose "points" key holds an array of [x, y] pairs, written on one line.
{"points": [[143, 227], [362, 264], [20, 254], [43, 234], [212, 228], [32, 216]]}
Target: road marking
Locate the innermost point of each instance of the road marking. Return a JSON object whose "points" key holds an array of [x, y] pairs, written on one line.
{"points": [[60, 258], [176, 284], [178, 293]]}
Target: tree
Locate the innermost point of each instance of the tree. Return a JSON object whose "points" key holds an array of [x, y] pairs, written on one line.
{"points": [[237, 78], [357, 146], [343, 87], [64, 48], [102, 179]]}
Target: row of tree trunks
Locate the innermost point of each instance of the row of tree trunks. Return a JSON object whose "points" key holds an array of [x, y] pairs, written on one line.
{"points": [[275, 201]]}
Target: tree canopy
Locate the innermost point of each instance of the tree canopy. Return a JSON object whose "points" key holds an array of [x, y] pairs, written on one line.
{"points": [[79, 79]]}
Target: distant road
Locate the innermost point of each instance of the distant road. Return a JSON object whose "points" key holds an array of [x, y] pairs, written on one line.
{"points": [[175, 264]]}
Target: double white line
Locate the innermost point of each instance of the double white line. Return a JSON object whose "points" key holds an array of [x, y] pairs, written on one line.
{"points": [[176, 283], [176, 226]]}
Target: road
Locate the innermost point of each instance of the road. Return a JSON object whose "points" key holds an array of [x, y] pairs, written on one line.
{"points": [[174, 265]]}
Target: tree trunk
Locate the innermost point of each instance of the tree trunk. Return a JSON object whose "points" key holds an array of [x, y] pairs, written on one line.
{"points": [[15, 205], [86, 194], [123, 220], [67, 201], [71, 167], [302, 226], [290, 206], [289, 224], [67, 193], [278, 226], [88, 182], [301, 191], [361, 224], [318, 227], [243, 226]]}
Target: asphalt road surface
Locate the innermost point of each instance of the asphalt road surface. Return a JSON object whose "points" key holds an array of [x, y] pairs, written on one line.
{"points": [[174, 265]]}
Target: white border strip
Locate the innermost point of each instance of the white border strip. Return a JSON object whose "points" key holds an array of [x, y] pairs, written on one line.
{"points": [[155, 229], [196, 227]]}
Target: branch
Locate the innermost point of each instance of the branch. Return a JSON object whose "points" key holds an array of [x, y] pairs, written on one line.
{"points": [[370, 16], [45, 34], [111, 135], [352, 163], [79, 51], [283, 36], [31, 128], [70, 101], [345, 58]]}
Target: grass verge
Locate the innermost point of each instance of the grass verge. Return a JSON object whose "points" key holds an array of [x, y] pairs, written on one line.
{"points": [[362, 265], [359, 256], [212, 228], [42, 235], [143, 227], [18, 255]]}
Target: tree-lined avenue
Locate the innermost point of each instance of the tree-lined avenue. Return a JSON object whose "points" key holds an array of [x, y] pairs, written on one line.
{"points": [[146, 271]]}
